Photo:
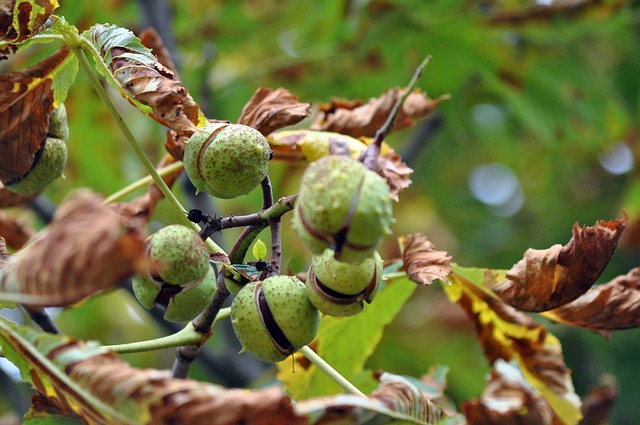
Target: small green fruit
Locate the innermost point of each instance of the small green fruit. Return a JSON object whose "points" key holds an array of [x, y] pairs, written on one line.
{"points": [[181, 303], [226, 160], [342, 206], [274, 318], [179, 255], [188, 303], [58, 126], [341, 289], [47, 166]]}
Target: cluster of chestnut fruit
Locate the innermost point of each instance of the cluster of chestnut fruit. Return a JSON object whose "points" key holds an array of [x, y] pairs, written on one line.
{"points": [[342, 213]]}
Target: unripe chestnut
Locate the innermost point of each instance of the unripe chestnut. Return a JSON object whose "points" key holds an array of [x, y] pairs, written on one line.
{"points": [[50, 160], [341, 289], [178, 254], [47, 166], [226, 160], [342, 206], [180, 302], [274, 318]]}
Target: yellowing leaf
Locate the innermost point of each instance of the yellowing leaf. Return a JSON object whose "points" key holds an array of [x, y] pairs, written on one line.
{"points": [[21, 19], [508, 334]]}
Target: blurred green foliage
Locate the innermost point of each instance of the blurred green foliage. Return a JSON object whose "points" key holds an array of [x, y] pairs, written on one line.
{"points": [[544, 94]]}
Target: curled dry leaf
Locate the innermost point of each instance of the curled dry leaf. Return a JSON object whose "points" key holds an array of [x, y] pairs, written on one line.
{"points": [[153, 396], [422, 262], [508, 400], [269, 110], [546, 279], [85, 249], [395, 399], [357, 119], [15, 231], [26, 101], [395, 172], [93, 383], [505, 333], [152, 40], [21, 19], [145, 80], [607, 307]]}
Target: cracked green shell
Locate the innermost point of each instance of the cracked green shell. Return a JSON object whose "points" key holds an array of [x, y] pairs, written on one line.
{"points": [[226, 160], [341, 289], [342, 206], [47, 167], [274, 318], [182, 303], [178, 254]]}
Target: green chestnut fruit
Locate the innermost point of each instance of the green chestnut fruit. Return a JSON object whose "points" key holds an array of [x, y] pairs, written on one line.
{"points": [[178, 254], [341, 289], [342, 206], [50, 160], [226, 160], [181, 303], [47, 166], [274, 318]]}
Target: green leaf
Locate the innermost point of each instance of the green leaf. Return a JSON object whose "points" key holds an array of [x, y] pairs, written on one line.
{"points": [[259, 250], [347, 342]]}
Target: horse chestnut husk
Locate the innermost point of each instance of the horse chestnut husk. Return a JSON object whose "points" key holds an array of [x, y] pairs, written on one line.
{"points": [[273, 318]]}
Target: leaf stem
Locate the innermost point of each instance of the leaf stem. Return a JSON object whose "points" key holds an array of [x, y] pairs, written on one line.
{"points": [[321, 364], [142, 183], [188, 336]]}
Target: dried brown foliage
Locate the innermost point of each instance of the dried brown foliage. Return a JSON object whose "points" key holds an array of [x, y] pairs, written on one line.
{"points": [[547, 279], [422, 262], [356, 118], [24, 114], [269, 110]]}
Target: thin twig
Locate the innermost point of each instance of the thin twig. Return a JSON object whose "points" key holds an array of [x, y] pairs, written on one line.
{"points": [[276, 246], [370, 156], [267, 192]]}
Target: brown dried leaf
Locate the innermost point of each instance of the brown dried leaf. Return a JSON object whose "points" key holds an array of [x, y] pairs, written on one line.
{"points": [[505, 333], [607, 307], [161, 399], [508, 400], [143, 78], [15, 231], [152, 40], [26, 101], [546, 279], [21, 19], [269, 110], [545, 12], [598, 405], [395, 172], [4, 254], [87, 248], [10, 199], [357, 119], [421, 260]]}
